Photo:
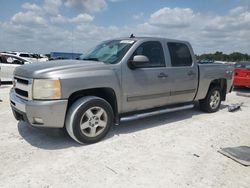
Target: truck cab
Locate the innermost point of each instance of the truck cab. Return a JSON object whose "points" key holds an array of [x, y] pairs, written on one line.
{"points": [[168, 75]]}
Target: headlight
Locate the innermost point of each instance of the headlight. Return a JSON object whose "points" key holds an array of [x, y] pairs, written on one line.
{"points": [[46, 89]]}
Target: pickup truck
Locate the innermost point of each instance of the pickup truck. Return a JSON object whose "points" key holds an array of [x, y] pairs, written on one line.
{"points": [[119, 80]]}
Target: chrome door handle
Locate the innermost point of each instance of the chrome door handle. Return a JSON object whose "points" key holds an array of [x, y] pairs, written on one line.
{"points": [[162, 75]]}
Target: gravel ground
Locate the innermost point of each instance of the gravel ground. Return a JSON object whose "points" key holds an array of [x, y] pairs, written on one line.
{"points": [[173, 150]]}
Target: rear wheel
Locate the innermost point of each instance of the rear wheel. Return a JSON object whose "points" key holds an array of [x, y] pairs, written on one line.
{"points": [[89, 119], [212, 101]]}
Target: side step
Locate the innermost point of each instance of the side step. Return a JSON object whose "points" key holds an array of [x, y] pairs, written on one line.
{"points": [[158, 112]]}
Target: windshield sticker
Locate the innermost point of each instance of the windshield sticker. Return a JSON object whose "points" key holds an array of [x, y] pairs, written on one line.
{"points": [[127, 41]]}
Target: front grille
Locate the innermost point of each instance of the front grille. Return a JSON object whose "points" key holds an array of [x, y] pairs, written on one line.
{"points": [[23, 87], [22, 81], [22, 93], [14, 104]]}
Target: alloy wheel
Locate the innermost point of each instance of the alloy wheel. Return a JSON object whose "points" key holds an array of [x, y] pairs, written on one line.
{"points": [[93, 121]]}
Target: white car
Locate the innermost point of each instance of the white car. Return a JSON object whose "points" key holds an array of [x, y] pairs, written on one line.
{"points": [[8, 63], [43, 58], [30, 56]]}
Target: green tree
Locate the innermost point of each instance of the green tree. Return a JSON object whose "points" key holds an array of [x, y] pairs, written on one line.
{"points": [[220, 56]]}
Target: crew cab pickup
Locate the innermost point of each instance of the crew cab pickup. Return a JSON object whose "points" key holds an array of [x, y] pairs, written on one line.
{"points": [[121, 79]]}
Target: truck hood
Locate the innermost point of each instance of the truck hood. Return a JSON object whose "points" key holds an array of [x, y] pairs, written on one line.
{"points": [[54, 68]]}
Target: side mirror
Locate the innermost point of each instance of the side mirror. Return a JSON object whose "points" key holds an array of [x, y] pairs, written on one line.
{"points": [[138, 62]]}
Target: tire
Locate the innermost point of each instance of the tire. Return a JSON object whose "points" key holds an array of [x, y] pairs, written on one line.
{"points": [[212, 101], [89, 119]]}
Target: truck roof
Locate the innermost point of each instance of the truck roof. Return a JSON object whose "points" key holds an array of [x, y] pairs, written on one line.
{"points": [[149, 38]]}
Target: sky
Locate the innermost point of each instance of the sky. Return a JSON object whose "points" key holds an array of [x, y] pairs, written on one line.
{"points": [[44, 26]]}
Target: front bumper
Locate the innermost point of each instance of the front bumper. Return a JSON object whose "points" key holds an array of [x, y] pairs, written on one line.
{"points": [[39, 113]]}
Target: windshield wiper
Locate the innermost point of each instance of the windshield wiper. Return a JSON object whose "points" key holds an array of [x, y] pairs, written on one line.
{"points": [[91, 59]]}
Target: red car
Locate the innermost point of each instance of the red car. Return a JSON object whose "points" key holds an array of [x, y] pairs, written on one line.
{"points": [[242, 74]]}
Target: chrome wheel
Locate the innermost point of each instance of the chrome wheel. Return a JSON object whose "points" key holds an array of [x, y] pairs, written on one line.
{"points": [[214, 99], [93, 121]]}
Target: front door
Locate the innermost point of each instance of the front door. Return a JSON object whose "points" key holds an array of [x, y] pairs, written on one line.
{"points": [[148, 86]]}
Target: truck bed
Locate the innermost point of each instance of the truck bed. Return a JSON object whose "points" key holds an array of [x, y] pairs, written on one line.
{"points": [[212, 71]]}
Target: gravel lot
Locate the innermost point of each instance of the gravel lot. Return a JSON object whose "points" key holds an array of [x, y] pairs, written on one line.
{"points": [[173, 150]]}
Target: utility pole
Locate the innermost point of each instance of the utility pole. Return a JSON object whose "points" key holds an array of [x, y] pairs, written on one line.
{"points": [[72, 42]]}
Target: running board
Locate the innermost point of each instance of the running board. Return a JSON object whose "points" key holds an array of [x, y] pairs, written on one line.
{"points": [[158, 112]]}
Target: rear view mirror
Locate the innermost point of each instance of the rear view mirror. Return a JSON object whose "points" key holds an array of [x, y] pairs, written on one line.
{"points": [[138, 61]]}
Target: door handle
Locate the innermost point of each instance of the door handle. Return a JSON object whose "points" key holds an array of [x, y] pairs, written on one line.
{"points": [[162, 75], [190, 73]]}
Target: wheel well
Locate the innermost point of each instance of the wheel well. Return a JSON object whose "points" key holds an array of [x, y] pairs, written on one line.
{"points": [[222, 83], [107, 94]]}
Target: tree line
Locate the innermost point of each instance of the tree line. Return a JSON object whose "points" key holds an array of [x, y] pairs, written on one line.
{"points": [[220, 56]]}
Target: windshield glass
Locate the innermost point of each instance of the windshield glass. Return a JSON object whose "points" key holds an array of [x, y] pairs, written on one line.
{"points": [[109, 52], [244, 65]]}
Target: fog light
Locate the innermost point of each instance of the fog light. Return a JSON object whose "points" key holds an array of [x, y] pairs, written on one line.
{"points": [[38, 121]]}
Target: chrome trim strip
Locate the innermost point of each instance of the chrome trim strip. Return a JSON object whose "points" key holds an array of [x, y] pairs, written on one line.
{"points": [[173, 93], [158, 112], [145, 97], [21, 86], [159, 95]]}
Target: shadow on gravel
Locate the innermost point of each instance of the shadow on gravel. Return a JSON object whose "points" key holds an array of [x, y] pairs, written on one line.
{"points": [[55, 139], [223, 106], [154, 121], [46, 138]]}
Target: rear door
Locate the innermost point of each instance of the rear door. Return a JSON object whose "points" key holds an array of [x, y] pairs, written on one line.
{"points": [[183, 74], [146, 87]]}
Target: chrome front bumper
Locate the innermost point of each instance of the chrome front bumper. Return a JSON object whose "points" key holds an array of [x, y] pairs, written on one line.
{"points": [[39, 113]]}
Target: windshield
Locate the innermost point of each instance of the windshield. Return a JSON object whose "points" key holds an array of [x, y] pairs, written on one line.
{"points": [[109, 52], [244, 65]]}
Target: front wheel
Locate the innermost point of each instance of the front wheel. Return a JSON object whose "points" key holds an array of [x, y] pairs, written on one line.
{"points": [[89, 119], [212, 101]]}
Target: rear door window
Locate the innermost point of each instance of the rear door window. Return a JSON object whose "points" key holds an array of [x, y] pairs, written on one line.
{"points": [[180, 54]]}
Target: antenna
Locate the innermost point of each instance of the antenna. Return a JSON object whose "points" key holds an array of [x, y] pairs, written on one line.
{"points": [[72, 42]]}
